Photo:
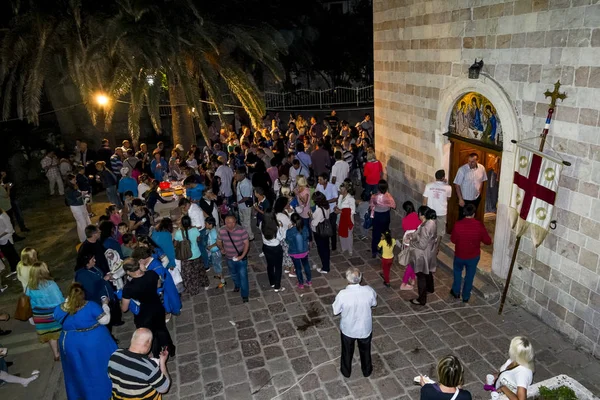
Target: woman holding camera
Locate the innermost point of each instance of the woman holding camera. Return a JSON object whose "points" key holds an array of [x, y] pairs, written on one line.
{"points": [[76, 201]]}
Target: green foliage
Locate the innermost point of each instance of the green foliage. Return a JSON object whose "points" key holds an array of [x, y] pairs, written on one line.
{"points": [[559, 393]]}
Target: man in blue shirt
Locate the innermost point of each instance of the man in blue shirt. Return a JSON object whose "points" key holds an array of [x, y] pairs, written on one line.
{"points": [[193, 189]]}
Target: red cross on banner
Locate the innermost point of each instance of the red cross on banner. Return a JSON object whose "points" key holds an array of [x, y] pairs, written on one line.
{"points": [[532, 189], [535, 185]]}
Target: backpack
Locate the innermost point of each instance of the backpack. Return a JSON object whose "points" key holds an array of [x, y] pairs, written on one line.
{"points": [[183, 248], [324, 227]]}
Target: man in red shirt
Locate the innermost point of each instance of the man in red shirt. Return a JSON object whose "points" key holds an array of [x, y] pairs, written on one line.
{"points": [[467, 235]]}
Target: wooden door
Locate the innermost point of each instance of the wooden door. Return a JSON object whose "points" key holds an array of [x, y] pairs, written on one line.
{"points": [[459, 155]]}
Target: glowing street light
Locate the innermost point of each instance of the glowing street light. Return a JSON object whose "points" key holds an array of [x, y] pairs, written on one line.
{"points": [[102, 99]]}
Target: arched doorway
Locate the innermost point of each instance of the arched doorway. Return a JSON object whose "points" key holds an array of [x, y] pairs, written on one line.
{"points": [[510, 130], [476, 129]]}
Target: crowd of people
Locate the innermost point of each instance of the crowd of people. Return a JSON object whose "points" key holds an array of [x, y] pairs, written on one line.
{"points": [[302, 186]]}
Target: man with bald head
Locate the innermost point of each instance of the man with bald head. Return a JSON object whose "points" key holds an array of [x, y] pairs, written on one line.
{"points": [[136, 376]]}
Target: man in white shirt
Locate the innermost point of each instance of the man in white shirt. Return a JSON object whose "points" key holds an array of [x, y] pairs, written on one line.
{"points": [[226, 175], [469, 184], [340, 170], [7, 243], [243, 192], [436, 197], [354, 303], [367, 125], [331, 194], [297, 169]]}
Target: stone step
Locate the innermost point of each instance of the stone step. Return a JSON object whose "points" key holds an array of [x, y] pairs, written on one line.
{"points": [[483, 284]]}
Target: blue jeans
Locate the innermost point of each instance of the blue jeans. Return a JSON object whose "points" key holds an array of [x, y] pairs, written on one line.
{"points": [[471, 268], [299, 263], [215, 262], [239, 274], [113, 196], [202, 242]]}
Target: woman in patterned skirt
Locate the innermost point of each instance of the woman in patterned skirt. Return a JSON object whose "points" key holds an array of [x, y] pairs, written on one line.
{"points": [[45, 295], [192, 271]]}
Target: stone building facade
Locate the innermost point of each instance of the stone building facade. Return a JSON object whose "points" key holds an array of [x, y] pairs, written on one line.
{"points": [[423, 50]]}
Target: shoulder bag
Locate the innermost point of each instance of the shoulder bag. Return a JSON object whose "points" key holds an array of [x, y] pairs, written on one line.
{"points": [[183, 248], [324, 227], [239, 253], [23, 311]]}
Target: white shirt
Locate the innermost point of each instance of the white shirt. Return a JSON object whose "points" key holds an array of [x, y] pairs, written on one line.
{"points": [[340, 171], [347, 202], [470, 181], [196, 215], [318, 216], [516, 377], [295, 172], [330, 192], [142, 188], [226, 175], [437, 194], [6, 227], [354, 303], [243, 189]]}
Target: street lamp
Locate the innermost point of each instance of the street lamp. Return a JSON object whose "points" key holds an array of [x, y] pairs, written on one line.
{"points": [[102, 99]]}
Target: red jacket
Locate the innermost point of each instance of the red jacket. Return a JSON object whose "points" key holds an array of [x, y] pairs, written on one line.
{"points": [[372, 172], [467, 235]]}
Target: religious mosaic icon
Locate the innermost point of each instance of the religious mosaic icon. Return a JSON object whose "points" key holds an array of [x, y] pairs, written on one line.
{"points": [[475, 117]]}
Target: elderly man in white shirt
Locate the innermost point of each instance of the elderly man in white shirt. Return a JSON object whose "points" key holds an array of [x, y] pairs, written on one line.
{"points": [[469, 183], [355, 303]]}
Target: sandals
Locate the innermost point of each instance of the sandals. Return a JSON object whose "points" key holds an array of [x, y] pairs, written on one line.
{"points": [[4, 317]]}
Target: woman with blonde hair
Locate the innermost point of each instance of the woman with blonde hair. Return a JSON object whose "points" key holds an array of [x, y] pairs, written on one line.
{"points": [[29, 256], [516, 374], [44, 296], [303, 196], [451, 378], [85, 345]]}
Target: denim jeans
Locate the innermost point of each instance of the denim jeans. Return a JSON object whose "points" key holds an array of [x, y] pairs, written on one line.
{"points": [[202, 241], [470, 266], [113, 196], [239, 275], [215, 262], [300, 263]]}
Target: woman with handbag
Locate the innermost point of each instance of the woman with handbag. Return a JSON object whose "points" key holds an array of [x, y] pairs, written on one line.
{"points": [[410, 223], [44, 296], [380, 206], [318, 225], [346, 208], [85, 345], [422, 255], [187, 250]]}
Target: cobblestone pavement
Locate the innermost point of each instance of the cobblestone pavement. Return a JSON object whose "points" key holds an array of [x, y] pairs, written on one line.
{"points": [[260, 350], [278, 338]]}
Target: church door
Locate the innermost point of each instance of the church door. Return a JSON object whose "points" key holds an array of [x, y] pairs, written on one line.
{"points": [[491, 160]]}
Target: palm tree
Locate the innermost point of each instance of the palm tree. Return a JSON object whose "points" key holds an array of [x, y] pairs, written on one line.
{"points": [[122, 47]]}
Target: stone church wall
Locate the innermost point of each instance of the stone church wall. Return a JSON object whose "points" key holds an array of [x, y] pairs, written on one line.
{"points": [[424, 47]]}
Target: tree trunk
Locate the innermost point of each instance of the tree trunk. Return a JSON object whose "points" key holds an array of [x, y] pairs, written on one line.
{"points": [[181, 118]]}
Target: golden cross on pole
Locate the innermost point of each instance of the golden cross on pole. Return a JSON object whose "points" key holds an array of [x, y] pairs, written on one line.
{"points": [[555, 94]]}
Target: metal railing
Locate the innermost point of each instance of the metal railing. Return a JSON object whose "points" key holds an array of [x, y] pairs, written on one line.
{"points": [[303, 98], [319, 98]]}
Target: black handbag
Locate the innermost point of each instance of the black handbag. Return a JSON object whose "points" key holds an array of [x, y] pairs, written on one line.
{"points": [[324, 227]]}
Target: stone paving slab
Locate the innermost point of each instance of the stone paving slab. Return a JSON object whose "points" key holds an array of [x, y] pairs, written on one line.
{"points": [[281, 345]]}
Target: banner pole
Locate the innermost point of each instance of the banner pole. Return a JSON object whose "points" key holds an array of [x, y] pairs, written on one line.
{"points": [[554, 95]]}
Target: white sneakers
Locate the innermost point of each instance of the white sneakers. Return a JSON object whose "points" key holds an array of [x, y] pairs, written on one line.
{"points": [[320, 270]]}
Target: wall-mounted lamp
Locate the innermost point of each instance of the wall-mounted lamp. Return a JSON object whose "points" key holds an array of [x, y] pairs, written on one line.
{"points": [[475, 69]]}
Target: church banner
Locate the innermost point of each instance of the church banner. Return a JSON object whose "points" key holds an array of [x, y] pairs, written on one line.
{"points": [[535, 184]]}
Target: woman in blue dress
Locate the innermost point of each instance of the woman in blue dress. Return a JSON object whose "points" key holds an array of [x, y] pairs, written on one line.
{"points": [[85, 346], [163, 237], [171, 300]]}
